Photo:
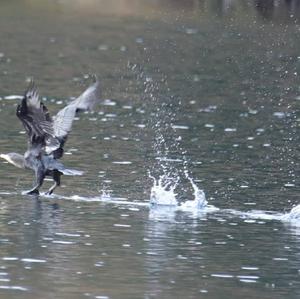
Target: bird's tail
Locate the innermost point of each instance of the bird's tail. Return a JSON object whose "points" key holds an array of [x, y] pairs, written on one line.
{"points": [[71, 171]]}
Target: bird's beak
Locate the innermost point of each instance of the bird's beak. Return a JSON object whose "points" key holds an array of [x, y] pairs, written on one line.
{"points": [[3, 156]]}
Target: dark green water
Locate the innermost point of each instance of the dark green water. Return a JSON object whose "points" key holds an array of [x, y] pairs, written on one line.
{"points": [[212, 87]]}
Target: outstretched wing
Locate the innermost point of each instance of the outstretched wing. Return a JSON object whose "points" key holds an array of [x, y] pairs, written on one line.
{"points": [[63, 120], [35, 118], [88, 99]]}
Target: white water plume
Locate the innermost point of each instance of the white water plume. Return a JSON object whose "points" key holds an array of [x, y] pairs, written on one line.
{"points": [[199, 201], [163, 193], [293, 216], [169, 171]]}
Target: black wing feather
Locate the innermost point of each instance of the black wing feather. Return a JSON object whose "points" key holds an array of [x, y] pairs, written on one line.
{"points": [[36, 118]]}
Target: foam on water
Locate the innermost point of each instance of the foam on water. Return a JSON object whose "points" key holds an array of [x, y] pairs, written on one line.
{"points": [[293, 217], [103, 198], [254, 214], [164, 202], [13, 97]]}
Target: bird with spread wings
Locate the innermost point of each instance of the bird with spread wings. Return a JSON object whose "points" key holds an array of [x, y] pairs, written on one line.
{"points": [[47, 135]]}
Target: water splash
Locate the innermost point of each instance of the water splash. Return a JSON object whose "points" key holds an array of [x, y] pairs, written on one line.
{"points": [[293, 216], [199, 201], [163, 193], [172, 184]]}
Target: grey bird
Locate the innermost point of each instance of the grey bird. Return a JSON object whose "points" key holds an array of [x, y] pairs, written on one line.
{"points": [[47, 135]]}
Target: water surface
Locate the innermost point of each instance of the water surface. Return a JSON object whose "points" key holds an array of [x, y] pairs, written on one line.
{"points": [[207, 87]]}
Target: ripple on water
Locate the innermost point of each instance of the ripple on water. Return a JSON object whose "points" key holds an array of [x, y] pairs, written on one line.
{"points": [[250, 268], [122, 225], [220, 275], [14, 288], [180, 127], [13, 97], [248, 277], [31, 260], [247, 280], [122, 162], [208, 109], [230, 129], [241, 278], [63, 242], [10, 258], [67, 235], [99, 264], [109, 102]]}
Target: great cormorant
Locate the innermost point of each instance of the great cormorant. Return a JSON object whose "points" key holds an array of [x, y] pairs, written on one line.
{"points": [[47, 135]]}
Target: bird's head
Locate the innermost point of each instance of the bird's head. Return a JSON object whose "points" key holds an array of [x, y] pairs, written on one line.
{"points": [[15, 159]]}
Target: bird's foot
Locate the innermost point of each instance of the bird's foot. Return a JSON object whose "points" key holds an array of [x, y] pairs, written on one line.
{"points": [[31, 192], [49, 192]]}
